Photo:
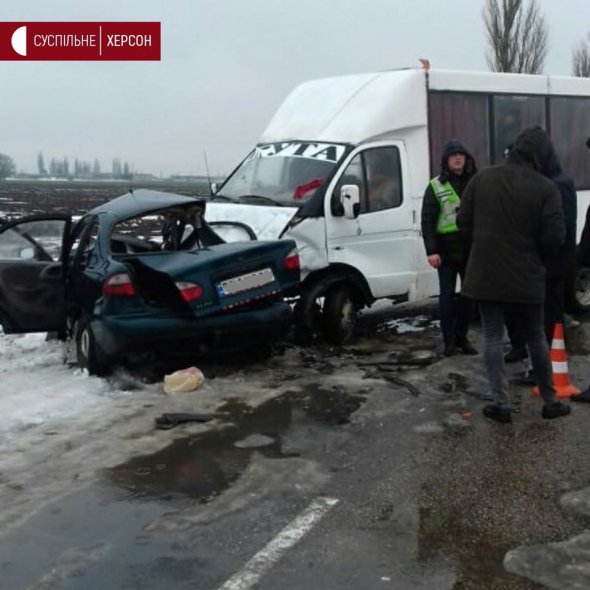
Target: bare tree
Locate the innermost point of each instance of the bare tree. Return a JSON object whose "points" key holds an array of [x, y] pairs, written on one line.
{"points": [[517, 36], [7, 167], [581, 59], [41, 164]]}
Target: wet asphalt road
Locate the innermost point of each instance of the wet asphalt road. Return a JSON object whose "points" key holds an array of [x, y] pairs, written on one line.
{"points": [[430, 495]]}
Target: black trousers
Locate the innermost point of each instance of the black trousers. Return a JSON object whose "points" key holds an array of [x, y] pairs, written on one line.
{"points": [[553, 311], [455, 310]]}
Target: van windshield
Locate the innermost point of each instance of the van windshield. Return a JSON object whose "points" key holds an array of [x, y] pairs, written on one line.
{"points": [[284, 173]]}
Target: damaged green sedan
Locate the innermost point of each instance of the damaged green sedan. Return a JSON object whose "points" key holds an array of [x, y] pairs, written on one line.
{"points": [[141, 275]]}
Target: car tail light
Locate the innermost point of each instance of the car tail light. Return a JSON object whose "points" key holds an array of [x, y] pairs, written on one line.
{"points": [[118, 285], [190, 291], [292, 260]]}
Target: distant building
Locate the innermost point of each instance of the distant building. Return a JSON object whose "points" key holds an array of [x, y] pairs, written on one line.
{"points": [[143, 177]]}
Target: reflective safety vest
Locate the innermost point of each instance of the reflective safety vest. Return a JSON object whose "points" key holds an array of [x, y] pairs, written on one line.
{"points": [[449, 202]]}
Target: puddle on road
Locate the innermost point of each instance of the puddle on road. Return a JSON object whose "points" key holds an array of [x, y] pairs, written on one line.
{"points": [[204, 465], [145, 488], [87, 541]]}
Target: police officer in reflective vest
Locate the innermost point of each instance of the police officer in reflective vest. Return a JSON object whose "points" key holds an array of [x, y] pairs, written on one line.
{"points": [[444, 247]]}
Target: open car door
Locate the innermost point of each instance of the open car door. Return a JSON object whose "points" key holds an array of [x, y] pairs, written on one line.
{"points": [[32, 275]]}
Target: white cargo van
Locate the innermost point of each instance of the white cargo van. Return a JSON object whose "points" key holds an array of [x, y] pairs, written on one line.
{"points": [[344, 162]]}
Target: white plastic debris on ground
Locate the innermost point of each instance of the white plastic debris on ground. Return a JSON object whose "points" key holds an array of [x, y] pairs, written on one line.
{"points": [[38, 389]]}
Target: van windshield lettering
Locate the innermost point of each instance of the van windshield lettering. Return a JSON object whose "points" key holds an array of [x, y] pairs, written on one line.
{"points": [[320, 151]]}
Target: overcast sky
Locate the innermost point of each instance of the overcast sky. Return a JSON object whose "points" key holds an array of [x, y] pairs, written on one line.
{"points": [[226, 66]]}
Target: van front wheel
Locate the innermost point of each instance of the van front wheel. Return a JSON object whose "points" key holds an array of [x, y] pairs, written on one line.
{"points": [[339, 315]]}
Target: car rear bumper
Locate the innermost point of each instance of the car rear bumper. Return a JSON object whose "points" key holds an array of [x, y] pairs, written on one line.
{"points": [[121, 335]]}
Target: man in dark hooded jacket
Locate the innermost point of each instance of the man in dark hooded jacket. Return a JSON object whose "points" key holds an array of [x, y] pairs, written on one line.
{"points": [[445, 249], [513, 218], [561, 266]]}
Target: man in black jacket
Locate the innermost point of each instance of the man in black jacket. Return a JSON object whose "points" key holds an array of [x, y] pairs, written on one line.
{"points": [[444, 247], [513, 218], [561, 266]]}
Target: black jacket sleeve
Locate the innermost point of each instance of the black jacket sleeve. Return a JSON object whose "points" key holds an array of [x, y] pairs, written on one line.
{"points": [[465, 214], [430, 214], [583, 253], [552, 231]]}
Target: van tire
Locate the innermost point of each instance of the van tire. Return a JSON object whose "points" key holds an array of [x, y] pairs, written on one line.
{"points": [[305, 321], [339, 315], [578, 292], [88, 353]]}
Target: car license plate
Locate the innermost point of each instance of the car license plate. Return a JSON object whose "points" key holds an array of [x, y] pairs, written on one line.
{"points": [[252, 280]]}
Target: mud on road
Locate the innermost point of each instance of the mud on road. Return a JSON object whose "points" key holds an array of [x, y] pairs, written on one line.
{"points": [[430, 495]]}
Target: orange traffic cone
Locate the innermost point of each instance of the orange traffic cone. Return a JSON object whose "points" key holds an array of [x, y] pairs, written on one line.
{"points": [[558, 357]]}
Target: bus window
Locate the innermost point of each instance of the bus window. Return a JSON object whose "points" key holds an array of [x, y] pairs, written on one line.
{"points": [[463, 116], [570, 127], [513, 114]]}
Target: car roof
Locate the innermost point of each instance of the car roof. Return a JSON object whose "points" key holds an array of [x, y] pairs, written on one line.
{"points": [[141, 201]]}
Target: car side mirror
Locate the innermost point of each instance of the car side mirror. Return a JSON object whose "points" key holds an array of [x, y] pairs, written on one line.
{"points": [[351, 200], [27, 253], [214, 187]]}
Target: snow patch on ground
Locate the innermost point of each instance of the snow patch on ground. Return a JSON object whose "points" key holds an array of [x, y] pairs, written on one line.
{"points": [[412, 324], [38, 389]]}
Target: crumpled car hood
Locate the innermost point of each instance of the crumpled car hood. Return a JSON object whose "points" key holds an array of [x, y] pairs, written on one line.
{"points": [[267, 222]]}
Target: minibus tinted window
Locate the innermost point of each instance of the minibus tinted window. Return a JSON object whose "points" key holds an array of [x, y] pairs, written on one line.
{"points": [[513, 114], [461, 116], [570, 128]]}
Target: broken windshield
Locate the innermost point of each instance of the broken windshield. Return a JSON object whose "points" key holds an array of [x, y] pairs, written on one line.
{"points": [[288, 173]]}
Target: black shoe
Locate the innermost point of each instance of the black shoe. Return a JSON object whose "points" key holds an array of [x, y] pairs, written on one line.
{"points": [[555, 410], [514, 355], [583, 397], [465, 346], [449, 349], [498, 413]]}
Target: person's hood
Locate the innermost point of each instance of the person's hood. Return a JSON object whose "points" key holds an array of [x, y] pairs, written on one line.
{"points": [[453, 146], [533, 148]]}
